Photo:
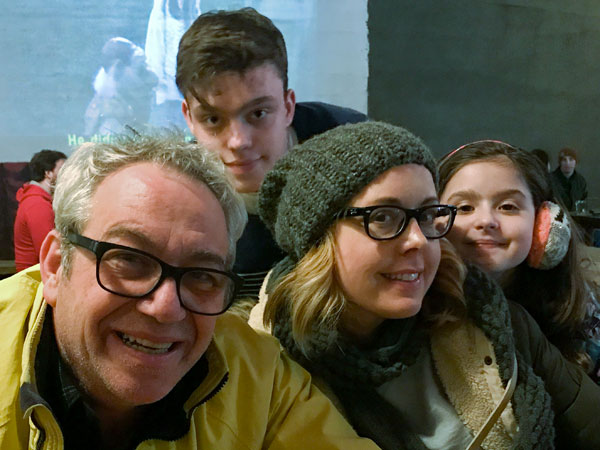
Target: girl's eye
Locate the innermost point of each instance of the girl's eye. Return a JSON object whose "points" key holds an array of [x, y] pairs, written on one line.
{"points": [[509, 207], [464, 209]]}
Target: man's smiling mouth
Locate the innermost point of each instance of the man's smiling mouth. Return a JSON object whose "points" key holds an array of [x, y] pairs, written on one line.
{"points": [[145, 345]]}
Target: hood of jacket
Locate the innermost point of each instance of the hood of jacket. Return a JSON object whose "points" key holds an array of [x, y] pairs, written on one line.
{"points": [[29, 190]]}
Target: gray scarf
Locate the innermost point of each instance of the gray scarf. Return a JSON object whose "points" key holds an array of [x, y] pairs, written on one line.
{"points": [[354, 373]]}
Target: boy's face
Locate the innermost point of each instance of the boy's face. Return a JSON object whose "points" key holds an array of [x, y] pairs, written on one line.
{"points": [[567, 165], [245, 118]]}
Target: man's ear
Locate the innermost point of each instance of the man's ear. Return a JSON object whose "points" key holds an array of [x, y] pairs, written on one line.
{"points": [[289, 100], [187, 115], [50, 266]]}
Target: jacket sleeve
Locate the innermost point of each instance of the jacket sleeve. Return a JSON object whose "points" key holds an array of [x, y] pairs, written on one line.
{"points": [[575, 398], [302, 417]]}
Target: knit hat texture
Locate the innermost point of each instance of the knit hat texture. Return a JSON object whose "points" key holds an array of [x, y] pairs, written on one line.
{"points": [[300, 196]]}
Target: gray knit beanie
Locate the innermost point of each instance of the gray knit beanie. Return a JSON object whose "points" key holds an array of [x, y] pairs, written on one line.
{"points": [[315, 180]]}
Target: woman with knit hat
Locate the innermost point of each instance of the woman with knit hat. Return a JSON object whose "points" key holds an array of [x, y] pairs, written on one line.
{"points": [[415, 349]]}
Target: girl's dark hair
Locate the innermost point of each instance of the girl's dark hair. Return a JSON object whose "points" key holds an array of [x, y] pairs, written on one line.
{"points": [[556, 298]]}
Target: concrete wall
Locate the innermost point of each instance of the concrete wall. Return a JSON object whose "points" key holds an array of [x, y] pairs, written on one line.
{"points": [[527, 72]]}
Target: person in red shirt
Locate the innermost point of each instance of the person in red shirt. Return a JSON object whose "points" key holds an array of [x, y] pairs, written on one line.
{"points": [[35, 217]]}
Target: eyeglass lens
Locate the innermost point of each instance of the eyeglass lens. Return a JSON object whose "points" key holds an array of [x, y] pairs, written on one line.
{"points": [[133, 274], [387, 222]]}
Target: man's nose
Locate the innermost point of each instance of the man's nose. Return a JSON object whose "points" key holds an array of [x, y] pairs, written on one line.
{"points": [[239, 135], [163, 304]]}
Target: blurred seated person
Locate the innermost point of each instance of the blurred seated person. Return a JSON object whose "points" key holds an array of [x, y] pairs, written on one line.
{"points": [[568, 184], [35, 217], [542, 155]]}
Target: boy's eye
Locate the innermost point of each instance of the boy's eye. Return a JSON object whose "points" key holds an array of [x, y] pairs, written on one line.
{"points": [[259, 114], [211, 121]]}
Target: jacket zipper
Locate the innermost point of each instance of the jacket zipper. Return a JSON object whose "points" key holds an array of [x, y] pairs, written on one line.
{"points": [[211, 394]]}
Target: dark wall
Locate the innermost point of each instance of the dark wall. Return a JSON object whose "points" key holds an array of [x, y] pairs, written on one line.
{"points": [[527, 72]]}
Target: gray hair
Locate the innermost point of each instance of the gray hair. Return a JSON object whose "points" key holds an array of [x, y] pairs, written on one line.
{"points": [[91, 163]]}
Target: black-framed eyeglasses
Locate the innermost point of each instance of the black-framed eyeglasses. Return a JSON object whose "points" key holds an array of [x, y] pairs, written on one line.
{"points": [[133, 273], [383, 222]]}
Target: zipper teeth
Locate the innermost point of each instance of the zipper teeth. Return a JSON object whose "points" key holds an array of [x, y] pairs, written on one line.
{"points": [[210, 395]]}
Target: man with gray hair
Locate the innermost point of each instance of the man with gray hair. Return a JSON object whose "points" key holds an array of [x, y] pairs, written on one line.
{"points": [[118, 339]]}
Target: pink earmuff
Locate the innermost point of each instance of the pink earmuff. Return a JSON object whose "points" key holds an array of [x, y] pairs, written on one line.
{"points": [[551, 237]]}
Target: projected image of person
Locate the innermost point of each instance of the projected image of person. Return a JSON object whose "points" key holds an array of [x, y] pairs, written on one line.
{"points": [[123, 89], [168, 21]]}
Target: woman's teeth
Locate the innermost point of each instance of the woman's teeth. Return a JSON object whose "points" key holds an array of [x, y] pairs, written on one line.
{"points": [[403, 276]]}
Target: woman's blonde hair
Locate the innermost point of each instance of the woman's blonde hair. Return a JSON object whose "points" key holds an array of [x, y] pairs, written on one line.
{"points": [[312, 296]]}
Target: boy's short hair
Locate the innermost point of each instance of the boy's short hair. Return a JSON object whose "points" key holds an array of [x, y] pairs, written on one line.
{"points": [[564, 152], [222, 41], [43, 161]]}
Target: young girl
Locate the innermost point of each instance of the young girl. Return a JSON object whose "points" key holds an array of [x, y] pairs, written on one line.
{"points": [[376, 304], [498, 191]]}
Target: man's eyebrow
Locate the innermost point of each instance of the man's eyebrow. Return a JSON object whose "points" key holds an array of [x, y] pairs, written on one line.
{"points": [[131, 234], [259, 100], [142, 242], [203, 105]]}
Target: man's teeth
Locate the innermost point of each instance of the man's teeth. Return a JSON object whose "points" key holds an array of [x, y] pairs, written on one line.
{"points": [[404, 276], [145, 345]]}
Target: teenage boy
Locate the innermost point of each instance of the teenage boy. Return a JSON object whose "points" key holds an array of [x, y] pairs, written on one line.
{"points": [[232, 72]]}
